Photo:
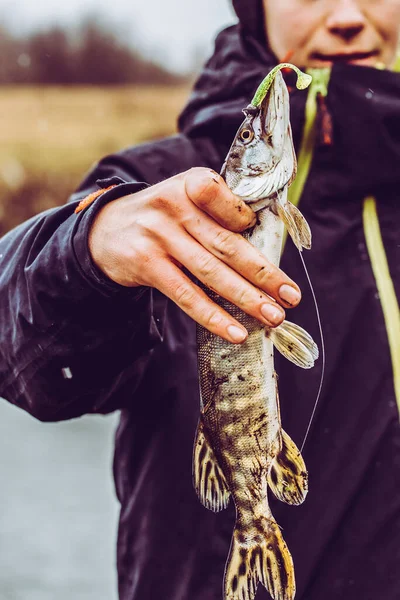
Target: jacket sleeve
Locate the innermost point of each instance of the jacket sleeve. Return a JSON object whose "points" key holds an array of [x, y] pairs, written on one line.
{"points": [[71, 340]]}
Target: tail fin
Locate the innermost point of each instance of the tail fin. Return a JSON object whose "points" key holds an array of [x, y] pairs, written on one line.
{"points": [[259, 554], [288, 478]]}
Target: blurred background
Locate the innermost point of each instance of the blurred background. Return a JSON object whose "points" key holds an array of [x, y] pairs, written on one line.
{"points": [[85, 78], [78, 80]]}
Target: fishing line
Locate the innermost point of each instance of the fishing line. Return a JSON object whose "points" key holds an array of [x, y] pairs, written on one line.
{"points": [[322, 352]]}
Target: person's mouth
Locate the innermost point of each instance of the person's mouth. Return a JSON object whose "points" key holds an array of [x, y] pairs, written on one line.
{"points": [[354, 57]]}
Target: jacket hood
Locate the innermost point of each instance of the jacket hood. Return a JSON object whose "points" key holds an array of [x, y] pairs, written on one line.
{"points": [[250, 14], [362, 102]]}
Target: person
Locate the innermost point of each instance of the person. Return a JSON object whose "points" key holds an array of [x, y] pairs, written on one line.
{"points": [[98, 308]]}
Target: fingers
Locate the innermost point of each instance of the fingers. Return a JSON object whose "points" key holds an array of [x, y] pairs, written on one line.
{"points": [[190, 219], [227, 283], [207, 190], [172, 282], [234, 250]]}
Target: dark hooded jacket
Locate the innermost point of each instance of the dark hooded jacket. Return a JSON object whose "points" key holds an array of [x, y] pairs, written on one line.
{"points": [[73, 342]]}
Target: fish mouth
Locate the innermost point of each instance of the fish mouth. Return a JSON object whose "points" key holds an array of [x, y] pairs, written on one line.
{"points": [[274, 166], [346, 57], [270, 109], [265, 113]]}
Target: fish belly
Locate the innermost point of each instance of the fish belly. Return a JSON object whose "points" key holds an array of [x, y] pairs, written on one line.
{"points": [[238, 385], [239, 441], [240, 409], [267, 236]]}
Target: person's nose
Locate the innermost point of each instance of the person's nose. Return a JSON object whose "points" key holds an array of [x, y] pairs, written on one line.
{"points": [[346, 19]]}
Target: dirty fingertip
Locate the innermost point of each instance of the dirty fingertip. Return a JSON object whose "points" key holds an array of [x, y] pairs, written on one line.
{"points": [[236, 334], [202, 185], [289, 294], [247, 217], [216, 176]]}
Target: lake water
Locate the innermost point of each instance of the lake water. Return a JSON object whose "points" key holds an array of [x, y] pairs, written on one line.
{"points": [[58, 512]]}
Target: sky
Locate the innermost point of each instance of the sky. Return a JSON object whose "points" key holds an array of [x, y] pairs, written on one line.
{"points": [[172, 31]]}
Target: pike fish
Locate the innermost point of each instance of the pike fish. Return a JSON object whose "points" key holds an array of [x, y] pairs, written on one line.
{"points": [[240, 448]]}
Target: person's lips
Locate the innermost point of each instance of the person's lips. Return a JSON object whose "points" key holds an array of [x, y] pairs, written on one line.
{"points": [[350, 57]]}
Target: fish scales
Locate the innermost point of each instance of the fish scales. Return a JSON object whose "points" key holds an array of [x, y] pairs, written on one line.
{"points": [[240, 399], [241, 395], [241, 449]]}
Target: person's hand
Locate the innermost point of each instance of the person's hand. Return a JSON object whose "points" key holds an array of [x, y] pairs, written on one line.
{"points": [[192, 220]]}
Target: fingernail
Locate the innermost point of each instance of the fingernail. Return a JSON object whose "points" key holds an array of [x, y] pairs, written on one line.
{"points": [[272, 313], [236, 334], [289, 294]]}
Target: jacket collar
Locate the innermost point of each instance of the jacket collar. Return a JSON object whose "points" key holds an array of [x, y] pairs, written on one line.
{"points": [[365, 108], [363, 103]]}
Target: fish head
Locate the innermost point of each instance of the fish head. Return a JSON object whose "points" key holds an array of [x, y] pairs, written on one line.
{"points": [[261, 160]]}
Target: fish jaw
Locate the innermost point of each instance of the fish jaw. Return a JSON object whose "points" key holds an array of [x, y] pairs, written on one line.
{"points": [[261, 160]]}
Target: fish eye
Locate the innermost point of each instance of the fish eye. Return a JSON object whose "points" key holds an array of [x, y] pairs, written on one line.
{"points": [[246, 135]]}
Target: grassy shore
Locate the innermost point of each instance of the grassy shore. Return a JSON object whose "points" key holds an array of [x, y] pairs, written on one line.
{"points": [[51, 136]]}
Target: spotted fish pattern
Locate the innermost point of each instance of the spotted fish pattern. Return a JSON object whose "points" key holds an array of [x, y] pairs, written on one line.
{"points": [[241, 450]]}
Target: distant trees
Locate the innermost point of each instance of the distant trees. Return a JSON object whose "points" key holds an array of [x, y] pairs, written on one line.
{"points": [[94, 56]]}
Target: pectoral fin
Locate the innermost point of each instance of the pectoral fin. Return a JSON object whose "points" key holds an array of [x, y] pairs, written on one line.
{"points": [[288, 478], [294, 343], [295, 224], [208, 477]]}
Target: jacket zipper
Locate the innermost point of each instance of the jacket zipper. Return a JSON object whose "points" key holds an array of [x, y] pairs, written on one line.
{"points": [[318, 89]]}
